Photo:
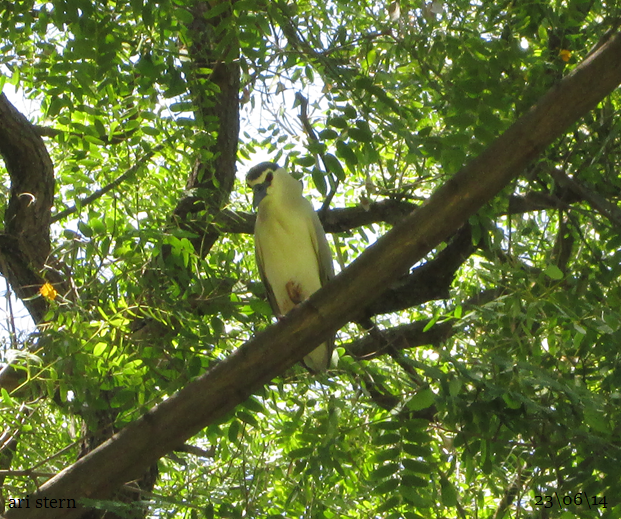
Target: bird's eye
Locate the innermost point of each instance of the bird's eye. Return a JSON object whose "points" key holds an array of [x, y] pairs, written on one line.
{"points": [[269, 177]]}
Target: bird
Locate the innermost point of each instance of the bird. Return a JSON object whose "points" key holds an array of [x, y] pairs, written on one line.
{"points": [[291, 249]]}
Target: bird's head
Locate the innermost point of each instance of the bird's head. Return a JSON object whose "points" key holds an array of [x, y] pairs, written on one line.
{"points": [[268, 179]]}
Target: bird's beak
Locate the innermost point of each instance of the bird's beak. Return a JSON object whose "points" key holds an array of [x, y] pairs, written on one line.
{"points": [[259, 193]]}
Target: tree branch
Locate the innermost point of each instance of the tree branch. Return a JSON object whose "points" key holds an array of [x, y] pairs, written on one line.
{"points": [[25, 242], [335, 220], [412, 335], [345, 219], [214, 171]]}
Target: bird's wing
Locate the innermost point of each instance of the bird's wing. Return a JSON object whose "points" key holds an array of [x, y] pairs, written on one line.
{"points": [[319, 359], [322, 250], [268, 288]]}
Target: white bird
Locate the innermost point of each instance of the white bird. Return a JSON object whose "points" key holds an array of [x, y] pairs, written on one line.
{"points": [[292, 253]]}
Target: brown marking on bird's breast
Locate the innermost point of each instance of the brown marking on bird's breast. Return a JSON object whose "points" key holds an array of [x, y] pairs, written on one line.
{"points": [[294, 290]]}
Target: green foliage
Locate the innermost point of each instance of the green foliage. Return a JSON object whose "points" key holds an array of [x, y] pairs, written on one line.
{"points": [[522, 400]]}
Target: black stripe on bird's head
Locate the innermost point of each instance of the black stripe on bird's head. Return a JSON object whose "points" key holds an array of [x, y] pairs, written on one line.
{"points": [[259, 178]]}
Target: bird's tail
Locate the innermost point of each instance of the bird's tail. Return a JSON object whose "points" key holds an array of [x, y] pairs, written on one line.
{"points": [[319, 359]]}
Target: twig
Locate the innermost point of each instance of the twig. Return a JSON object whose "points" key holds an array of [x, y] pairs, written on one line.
{"points": [[27, 473], [597, 201], [116, 182], [11, 316], [197, 451], [46, 131]]}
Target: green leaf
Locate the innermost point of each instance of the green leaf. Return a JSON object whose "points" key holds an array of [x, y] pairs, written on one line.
{"points": [[344, 151], [412, 515], [99, 348], [302, 452], [147, 14], [334, 165], [360, 135], [97, 225], [319, 180], [416, 466], [234, 431], [305, 161], [449, 493], [597, 420], [512, 403], [328, 134], [455, 386], [248, 418], [54, 107], [553, 272], [384, 471], [388, 425], [183, 15], [338, 122], [387, 454], [122, 398], [388, 503], [409, 492], [417, 424], [414, 481], [415, 450], [253, 405], [350, 112], [386, 439], [387, 487], [422, 400], [148, 130], [430, 324], [218, 10], [6, 398], [185, 106], [542, 31]]}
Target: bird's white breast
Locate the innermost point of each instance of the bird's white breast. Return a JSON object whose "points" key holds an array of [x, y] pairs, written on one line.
{"points": [[284, 233]]}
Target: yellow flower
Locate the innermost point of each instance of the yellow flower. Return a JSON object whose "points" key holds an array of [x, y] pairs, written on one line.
{"points": [[48, 291], [564, 54]]}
